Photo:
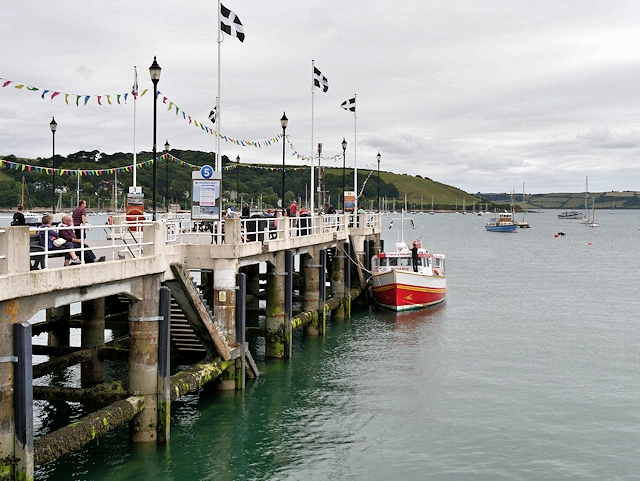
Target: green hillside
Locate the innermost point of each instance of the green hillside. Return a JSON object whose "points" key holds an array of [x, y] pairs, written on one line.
{"points": [[570, 201], [253, 182]]}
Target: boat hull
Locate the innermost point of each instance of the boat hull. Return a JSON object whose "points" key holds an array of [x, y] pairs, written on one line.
{"points": [[403, 290], [501, 228]]}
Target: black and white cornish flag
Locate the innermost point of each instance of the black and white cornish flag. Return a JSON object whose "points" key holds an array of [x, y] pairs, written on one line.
{"points": [[231, 24], [213, 115], [349, 104], [320, 80]]}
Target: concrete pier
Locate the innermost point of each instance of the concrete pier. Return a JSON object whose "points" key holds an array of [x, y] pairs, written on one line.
{"points": [[125, 291]]}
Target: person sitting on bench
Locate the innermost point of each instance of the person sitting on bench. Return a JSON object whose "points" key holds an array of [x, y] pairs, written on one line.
{"points": [[51, 236], [69, 236]]}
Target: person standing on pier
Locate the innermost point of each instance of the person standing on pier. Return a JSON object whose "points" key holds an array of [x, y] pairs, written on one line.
{"points": [[18, 217], [80, 217]]}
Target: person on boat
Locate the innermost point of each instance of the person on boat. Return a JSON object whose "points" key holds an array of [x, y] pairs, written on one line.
{"points": [[414, 256], [18, 217], [246, 212]]}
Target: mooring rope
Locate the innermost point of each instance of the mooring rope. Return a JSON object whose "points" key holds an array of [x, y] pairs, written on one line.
{"points": [[357, 261]]}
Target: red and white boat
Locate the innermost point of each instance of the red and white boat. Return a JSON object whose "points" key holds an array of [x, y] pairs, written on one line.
{"points": [[397, 286]]}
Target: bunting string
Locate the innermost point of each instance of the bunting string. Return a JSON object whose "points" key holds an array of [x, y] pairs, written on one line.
{"points": [[77, 99], [128, 168], [365, 183]]}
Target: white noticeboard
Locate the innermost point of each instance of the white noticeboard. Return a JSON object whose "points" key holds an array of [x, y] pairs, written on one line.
{"points": [[206, 198]]}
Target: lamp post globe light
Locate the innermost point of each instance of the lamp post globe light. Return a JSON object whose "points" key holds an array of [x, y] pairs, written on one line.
{"points": [[378, 157], [154, 71], [54, 126], [283, 122], [166, 187], [344, 156], [238, 184]]}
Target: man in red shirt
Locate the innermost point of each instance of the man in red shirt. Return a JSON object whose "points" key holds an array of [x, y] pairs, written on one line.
{"points": [[293, 210], [80, 216]]}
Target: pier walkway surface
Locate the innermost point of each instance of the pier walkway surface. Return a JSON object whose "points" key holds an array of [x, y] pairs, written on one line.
{"points": [[145, 286]]}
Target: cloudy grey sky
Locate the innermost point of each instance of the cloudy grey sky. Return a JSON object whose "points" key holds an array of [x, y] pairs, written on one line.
{"points": [[482, 95]]}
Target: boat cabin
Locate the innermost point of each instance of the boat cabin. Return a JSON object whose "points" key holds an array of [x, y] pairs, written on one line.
{"points": [[428, 264]]}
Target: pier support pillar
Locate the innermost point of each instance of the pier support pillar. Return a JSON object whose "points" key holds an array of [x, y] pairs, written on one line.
{"points": [[9, 315], [253, 285], [322, 293], [143, 359], [60, 335], [348, 253], [337, 283], [241, 332], [311, 272], [164, 367], [92, 371], [278, 336], [224, 292]]}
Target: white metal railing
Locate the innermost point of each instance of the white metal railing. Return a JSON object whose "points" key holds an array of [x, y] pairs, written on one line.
{"points": [[186, 231], [132, 241], [260, 229]]}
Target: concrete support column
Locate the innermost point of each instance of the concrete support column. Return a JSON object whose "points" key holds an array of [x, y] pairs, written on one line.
{"points": [[277, 338], [143, 359], [60, 335], [253, 285], [348, 254], [337, 282], [92, 371], [9, 315], [224, 293], [311, 273]]}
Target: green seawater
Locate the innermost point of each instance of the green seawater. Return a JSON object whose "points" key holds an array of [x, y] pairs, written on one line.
{"points": [[529, 370]]}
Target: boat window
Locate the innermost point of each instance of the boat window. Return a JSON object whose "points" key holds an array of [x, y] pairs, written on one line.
{"points": [[383, 262], [436, 262], [426, 261], [393, 261], [404, 261]]}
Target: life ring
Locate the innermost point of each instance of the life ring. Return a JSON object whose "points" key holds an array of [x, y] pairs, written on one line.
{"points": [[110, 220], [435, 271]]}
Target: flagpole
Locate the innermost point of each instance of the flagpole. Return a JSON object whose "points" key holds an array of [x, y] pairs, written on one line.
{"points": [[355, 155], [312, 207], [219, 109], [135, 98]]}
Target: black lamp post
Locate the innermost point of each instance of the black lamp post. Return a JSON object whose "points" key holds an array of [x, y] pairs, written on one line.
{"points": [[283, 121], [166, 187], [238, 183], [54, 126], [154, 71], [344, 156], [378, 157]]}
